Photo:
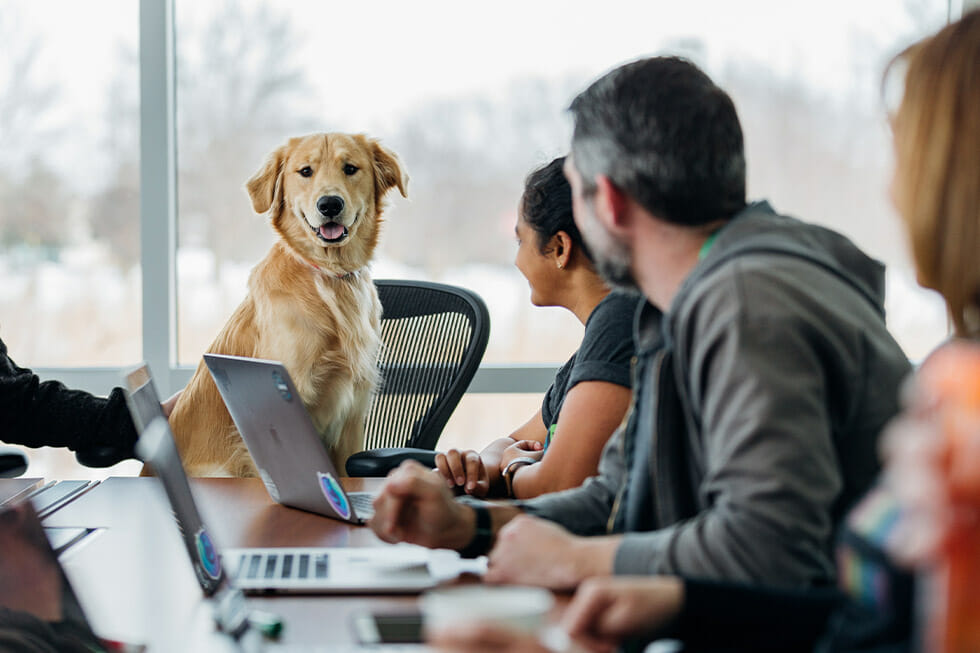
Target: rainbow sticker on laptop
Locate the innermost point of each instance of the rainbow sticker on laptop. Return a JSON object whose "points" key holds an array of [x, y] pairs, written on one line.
{"points": [[334, 494], [210, 562]]}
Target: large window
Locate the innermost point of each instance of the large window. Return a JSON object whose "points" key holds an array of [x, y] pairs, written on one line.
{"points": [[470, 105], [69, 172]]}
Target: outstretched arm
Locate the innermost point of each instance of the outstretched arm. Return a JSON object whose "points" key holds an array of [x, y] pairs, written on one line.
{"points": [[38, 414]]}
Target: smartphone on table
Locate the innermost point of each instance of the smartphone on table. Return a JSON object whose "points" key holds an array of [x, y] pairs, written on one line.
{"points": [[388, 627]]}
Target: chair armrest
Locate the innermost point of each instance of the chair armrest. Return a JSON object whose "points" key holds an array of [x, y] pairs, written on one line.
{"points": [[378, 462], [12, 463]]}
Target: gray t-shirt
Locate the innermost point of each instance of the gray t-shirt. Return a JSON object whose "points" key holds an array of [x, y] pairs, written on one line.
{"points": [[604, 355]]}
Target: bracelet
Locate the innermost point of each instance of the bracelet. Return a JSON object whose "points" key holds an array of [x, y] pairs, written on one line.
{"points": [[512, 468], [482, 536]]}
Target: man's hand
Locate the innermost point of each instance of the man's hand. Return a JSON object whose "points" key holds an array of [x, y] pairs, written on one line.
{"points": [[532, 551], [465, 470], [415, 506], [605, 611]]}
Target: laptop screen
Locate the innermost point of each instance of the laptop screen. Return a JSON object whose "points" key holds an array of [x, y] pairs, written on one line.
{"points": [[143, 399], [38, 608], [156, 447]]}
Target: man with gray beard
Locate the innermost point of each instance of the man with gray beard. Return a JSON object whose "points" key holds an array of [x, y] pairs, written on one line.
{"points": [[764, 370]]}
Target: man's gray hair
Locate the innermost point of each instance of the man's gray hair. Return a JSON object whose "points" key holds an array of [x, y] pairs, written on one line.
{"points": [[662, 132]]}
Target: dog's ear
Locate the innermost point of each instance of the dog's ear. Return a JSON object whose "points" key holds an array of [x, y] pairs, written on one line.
{"points": [[265, 186], [388, 170]]}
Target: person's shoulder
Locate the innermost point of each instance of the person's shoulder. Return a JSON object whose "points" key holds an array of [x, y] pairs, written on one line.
{"points": [[617, 305], [614, 316], [609, 330]]}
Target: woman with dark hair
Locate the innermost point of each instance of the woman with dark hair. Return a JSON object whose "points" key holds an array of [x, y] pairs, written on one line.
{"points": [[559, 446]]}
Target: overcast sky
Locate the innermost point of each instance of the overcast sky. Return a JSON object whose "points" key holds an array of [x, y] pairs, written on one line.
{"points": [[410, 52]]}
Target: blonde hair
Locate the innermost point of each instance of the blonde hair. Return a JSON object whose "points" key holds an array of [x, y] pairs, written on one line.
{"points": [[937, 173]]}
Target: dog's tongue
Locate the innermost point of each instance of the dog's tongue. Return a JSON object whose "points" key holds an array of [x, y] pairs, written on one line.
{"points": [[332, 230]]}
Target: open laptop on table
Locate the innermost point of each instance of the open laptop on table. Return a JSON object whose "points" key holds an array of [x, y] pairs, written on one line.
{"points": [[279, 433], [41, 608], [370, 570]]}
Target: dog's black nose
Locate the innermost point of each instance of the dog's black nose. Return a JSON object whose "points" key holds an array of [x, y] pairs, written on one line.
{"points": [[330, 205]]}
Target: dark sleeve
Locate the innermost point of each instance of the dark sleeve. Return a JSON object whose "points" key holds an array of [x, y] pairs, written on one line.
{"points": [[607, 345], [47, 414], [736, 617], [21, 632], [554, 397]]}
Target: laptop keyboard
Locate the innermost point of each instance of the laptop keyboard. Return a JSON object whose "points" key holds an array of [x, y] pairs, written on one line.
{"points": [[296, 566], [361, 501]]}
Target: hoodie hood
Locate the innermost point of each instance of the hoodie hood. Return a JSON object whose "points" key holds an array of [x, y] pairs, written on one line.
{"points": [[758, 229]]}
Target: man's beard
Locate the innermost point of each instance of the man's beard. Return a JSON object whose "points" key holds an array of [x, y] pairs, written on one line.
{"points": [[611, 256]]}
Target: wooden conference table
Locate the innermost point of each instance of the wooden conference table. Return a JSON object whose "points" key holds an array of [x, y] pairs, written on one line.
{"points": [[135, 582]]}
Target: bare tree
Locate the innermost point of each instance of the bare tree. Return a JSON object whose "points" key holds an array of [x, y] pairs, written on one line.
{"points": [[34, 202], [238, 92], [468, 158], [25, 102]]}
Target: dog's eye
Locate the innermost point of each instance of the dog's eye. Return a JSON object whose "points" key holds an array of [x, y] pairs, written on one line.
{"points": [[306, 171], [350, 169]]}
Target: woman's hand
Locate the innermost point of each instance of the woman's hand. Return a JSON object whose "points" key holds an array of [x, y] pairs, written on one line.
{"points": [[464, 470], [521, 449]]}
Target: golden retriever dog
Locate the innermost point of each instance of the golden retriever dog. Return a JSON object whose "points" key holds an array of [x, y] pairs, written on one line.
{"points": [[311, 303]]}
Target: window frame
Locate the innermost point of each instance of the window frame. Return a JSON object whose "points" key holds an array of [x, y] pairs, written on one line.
{"points": [[158, 224]]}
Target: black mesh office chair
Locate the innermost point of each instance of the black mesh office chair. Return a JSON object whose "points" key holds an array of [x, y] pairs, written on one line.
{"points": [[433, 338]]}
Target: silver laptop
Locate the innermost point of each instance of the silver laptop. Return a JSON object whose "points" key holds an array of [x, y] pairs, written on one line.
{"points": [[372, 570], [280, 436]]}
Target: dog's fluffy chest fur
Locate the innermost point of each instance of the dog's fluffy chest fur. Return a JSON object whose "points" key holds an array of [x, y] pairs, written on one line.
{"points": [[329, 341]]}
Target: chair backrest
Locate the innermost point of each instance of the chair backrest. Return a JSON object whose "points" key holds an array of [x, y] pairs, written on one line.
{"points": [[433, 338]]}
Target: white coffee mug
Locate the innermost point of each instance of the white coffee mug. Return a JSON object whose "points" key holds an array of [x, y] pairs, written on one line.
{"points": [[514, 607]]}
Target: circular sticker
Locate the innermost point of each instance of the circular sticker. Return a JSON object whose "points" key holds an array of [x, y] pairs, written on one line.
{"points": [[210, 561], [334, 494]]}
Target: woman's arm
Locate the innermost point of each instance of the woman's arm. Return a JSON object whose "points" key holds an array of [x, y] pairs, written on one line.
{"points": [[479, 473], [590, 413]]}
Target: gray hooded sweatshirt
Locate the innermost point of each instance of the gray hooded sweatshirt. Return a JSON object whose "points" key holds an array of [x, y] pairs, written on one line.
{"points": [[757, 405]]}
